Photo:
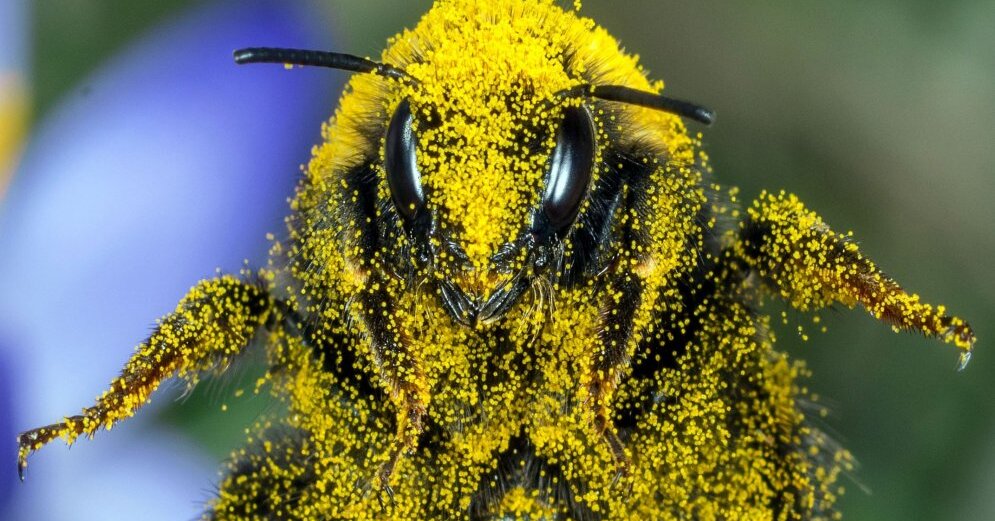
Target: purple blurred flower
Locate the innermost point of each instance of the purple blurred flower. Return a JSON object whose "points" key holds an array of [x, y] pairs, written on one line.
{"points": [[7, 427], [13, 114], [169, 163]]}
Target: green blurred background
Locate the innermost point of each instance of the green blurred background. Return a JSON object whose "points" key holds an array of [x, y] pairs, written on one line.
{"points": [[879, 114]]}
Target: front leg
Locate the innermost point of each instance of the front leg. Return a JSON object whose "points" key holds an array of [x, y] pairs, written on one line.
{"points": [[620, 303], [399, 368], [812, 267], [213, 322]]}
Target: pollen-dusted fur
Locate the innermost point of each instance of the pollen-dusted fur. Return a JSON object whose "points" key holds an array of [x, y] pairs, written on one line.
{"points": [[634, 379]]}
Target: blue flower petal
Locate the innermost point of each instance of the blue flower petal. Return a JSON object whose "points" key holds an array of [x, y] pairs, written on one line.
{"points": [[169, 162]]}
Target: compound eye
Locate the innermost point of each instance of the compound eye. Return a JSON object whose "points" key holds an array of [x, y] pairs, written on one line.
{"points": [[570, 169], [403, 176]]}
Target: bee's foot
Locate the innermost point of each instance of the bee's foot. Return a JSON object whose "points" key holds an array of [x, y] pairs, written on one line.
{"points": [[30, 441], [621, 481], [381, 484]]}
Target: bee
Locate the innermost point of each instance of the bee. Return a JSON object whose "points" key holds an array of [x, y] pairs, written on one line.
{"points": [[511, 290]]}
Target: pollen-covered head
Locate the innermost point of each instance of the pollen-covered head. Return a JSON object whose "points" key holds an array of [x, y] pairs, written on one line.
{"points": [[484, 117], [487, 162], [476, 155]]}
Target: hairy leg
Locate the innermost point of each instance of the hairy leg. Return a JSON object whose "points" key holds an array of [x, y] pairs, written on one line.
{"points": [[812, 267], [211, 325], [622, 299], [399, 368]]}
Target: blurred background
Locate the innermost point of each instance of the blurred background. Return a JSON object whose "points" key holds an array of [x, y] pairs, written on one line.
{"points": [[136, 159]]}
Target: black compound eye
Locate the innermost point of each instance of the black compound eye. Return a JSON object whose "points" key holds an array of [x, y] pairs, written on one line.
{"points": [[570, 169], [403, 176]]}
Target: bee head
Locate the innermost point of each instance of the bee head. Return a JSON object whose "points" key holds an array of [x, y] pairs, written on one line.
{"points": [[488, 205], [489, 154]]}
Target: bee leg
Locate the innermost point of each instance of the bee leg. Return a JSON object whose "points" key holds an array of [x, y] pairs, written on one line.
{"points": [[409, 426], [400, 370], [213, 322], [812, 267], [621, 302], [606, 429]]}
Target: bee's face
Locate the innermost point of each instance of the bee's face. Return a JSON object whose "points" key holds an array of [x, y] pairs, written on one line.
{"points": [[488, 244], [488, 184], [489, 163]]}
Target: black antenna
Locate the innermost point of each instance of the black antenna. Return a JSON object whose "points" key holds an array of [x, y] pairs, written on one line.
{"points": [[330, 60], [642, 98]]}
